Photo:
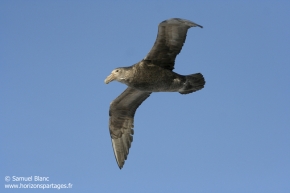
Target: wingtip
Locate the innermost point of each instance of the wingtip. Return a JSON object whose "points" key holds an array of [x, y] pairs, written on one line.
{"points": [[119, 155], [192, 24], [120, 165], [199, 26], [180, 20]]}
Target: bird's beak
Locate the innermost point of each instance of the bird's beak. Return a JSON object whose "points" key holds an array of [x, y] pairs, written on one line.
{"points": [[110, 78]]}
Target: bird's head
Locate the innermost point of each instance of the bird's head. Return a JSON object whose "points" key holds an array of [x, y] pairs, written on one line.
{"points": [[117, 74]]}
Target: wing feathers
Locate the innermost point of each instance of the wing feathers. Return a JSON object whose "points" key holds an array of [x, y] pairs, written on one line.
{"points": [[170, 39], [122, 111]]}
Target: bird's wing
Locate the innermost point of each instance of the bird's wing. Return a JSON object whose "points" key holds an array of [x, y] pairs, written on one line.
{"points": [[170, 39], [121, 124]]}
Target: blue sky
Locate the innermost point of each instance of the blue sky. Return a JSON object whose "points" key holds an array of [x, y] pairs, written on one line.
{"points": [[232, 136]]}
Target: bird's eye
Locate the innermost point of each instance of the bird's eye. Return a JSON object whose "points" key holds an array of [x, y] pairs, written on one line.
{"points": [[117, 70]]}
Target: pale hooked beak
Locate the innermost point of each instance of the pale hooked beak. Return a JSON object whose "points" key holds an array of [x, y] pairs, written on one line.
{"points": [[110, 78]]}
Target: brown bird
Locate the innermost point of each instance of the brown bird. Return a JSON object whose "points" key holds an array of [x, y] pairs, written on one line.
{"points": [[152, 74]]}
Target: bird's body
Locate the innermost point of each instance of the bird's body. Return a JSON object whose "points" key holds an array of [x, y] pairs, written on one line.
{"points": [[149, 77], [152, 74]]}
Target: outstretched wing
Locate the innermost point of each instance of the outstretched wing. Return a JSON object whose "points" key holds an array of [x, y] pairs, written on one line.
{"points": [[121, 124], [170, 39]]}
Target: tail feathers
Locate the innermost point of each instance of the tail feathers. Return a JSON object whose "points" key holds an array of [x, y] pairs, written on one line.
{"points": [[194, 82]]}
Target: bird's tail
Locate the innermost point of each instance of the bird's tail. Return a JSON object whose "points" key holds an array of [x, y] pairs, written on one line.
{"points": [[194, 82]]}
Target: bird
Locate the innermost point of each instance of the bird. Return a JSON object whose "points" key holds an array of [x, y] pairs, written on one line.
{"points": [[154, 73]]}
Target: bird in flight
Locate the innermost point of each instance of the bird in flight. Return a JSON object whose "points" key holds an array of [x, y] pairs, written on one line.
{"points": [[152, 74]]}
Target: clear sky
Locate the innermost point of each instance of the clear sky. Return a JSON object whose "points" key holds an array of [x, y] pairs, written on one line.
{"points": [[232, 136]]}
